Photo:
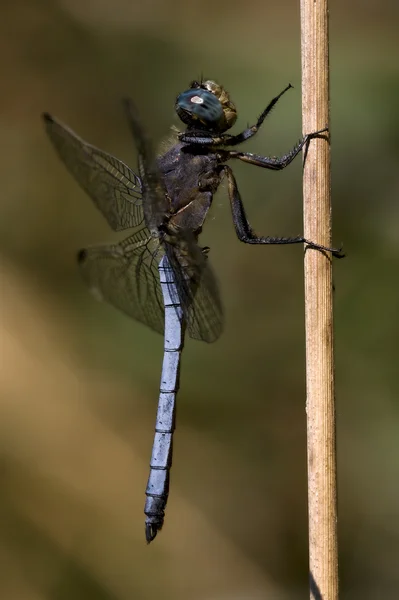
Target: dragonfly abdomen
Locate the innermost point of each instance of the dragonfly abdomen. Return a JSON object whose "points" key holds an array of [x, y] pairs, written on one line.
{"points": [[161, 458]]}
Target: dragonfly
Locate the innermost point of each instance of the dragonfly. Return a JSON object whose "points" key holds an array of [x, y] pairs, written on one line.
{"points": [[159, 274]]}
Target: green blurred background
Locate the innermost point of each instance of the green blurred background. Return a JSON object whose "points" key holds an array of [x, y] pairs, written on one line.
{"points": [[79, 381]]}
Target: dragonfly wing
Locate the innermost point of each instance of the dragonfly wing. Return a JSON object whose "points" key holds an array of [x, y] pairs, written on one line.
{"points": [[126, 275], [156, 205], [111, 184], [198, 290]]}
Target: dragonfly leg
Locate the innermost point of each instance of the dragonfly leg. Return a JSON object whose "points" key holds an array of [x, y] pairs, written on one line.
{"points": [[273, 162], [245, 232], [251, 131]]}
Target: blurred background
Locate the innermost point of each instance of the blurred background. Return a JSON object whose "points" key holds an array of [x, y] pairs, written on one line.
{"points": [[79, 381]]}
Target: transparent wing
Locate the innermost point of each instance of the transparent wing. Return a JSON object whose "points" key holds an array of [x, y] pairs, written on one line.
{"points": [[111, 184], [198, 290], [156, 205], [205, 314], [126, 275]]}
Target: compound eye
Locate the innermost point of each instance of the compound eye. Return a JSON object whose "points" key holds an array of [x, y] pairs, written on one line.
{"points": [[199, 104]]}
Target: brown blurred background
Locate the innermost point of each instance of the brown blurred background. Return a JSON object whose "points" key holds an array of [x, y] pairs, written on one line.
{"points": [[79, 381]]}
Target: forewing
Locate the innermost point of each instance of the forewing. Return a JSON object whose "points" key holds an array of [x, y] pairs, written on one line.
{"points": [[111, 184], [126, 275], [198, 290], [156, 206]]}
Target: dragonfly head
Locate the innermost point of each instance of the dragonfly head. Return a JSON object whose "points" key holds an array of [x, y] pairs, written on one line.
{"points": [[206, 105]]}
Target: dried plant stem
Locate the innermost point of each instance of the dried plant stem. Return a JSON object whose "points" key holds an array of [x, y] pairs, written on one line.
{"points": [[320, 407]]}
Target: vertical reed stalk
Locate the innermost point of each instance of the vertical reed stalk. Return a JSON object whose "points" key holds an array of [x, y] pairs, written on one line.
{"points": [[320, 407]]}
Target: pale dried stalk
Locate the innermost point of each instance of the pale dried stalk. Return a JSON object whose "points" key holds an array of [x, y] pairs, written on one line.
{"points": [[320, 407]]}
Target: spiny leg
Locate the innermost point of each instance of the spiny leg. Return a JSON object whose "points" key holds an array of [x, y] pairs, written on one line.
{"points": [[251, 131], [273, 162], [246, 234], [200, 138]]}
